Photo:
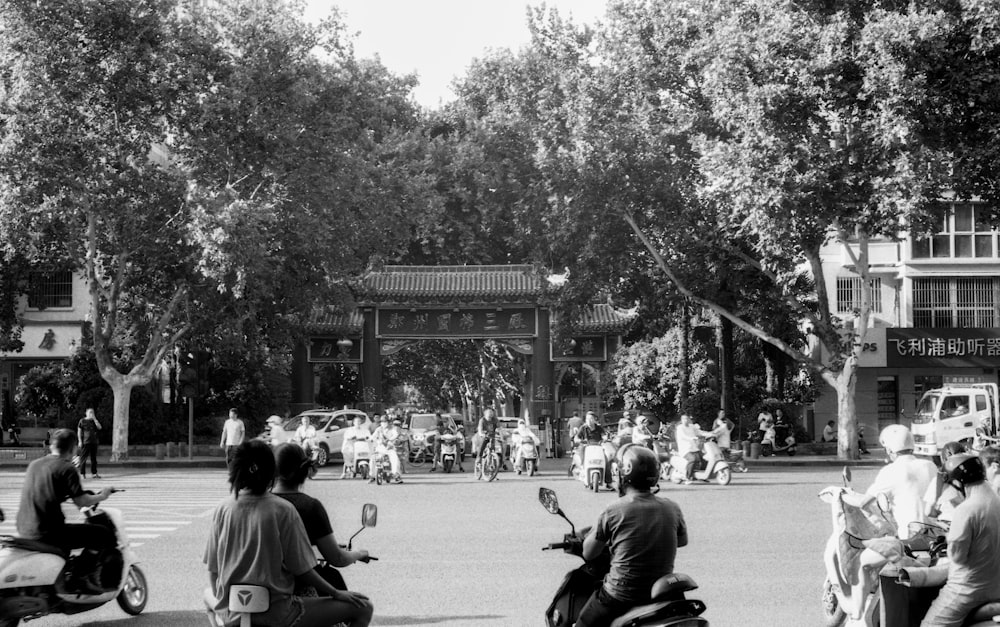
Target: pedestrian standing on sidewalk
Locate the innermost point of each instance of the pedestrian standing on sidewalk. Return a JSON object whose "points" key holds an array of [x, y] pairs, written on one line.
{"points": [[233, 434], [86, 433]]}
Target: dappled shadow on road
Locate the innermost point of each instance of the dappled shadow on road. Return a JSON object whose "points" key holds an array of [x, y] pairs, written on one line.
{"points": [[430, 620], [154, 619]]}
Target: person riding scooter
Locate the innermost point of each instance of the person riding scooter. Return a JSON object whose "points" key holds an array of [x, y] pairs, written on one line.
{"points": [[48, 482], [385, 444], [905, 480], [592, 433], [973, 546], [625, 430], [687, 435], [643, 532], [520, 435]]}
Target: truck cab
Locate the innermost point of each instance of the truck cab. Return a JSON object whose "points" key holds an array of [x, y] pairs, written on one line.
{"points": [[954, 414]]}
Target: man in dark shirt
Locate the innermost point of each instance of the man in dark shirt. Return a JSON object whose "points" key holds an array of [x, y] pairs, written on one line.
{"points": [[487, 429], [48, 482], [642, 532], [86, 433]]}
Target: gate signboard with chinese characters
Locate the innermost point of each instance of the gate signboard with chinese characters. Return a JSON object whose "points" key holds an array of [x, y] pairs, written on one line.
{"points": [[457, 323], [400, 305], [943, 348]]}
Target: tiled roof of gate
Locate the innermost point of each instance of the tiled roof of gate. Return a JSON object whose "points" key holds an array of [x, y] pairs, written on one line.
{"points": [[605, 319], [344, 324], [502, 284]]}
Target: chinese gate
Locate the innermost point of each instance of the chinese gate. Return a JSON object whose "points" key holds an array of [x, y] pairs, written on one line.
{"points": [[401, 305]]}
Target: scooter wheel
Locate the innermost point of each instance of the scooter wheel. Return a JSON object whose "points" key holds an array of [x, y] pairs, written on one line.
{"points": [[833, 614], [723, 476], [135, 593]]}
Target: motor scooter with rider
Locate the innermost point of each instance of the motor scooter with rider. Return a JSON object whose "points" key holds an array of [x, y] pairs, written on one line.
{"points": [[35, 577], [667, 605], [713, 464], [596, 467]]}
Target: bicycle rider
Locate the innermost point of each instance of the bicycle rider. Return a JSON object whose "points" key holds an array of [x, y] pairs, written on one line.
{"points": [[487, 430]]}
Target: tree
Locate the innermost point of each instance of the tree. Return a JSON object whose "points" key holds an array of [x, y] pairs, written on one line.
{"points": [[197, 165], [744, 136]]}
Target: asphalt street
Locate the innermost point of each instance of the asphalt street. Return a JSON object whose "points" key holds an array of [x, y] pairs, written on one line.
{"points": [[457, 552]]}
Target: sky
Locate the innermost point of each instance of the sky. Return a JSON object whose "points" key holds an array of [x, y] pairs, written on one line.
{"points": [[438, 39]]}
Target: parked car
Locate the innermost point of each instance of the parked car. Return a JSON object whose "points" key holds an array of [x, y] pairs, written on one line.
{"points": [[420, 424], [330, 425]]}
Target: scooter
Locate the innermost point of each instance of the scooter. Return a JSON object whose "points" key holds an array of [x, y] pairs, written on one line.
{"points": [[449, 451], [382, 469], [34, 577], [668, 606], [245, 599], [591, 469], [714, 465], [362, 458], [529, 457]]}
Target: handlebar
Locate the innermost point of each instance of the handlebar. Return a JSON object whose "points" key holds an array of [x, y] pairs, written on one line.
{"points": [[557, 545]]}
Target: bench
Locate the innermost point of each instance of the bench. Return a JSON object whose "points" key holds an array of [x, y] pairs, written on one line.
{"points": [[29, 436]]}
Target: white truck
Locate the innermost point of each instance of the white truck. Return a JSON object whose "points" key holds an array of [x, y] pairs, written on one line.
{"points": [[966, 413]]}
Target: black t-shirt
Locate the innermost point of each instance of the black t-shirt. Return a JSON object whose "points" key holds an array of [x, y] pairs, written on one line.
{"points": [[591, 434], [88, 431], [313, 515], [48, 482]]}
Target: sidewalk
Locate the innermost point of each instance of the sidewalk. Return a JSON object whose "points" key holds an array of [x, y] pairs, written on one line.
{"points": [[11, 460]]}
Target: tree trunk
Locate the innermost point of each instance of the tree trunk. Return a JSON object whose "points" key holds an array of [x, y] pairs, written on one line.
{"points": [[847, 419], [684, 385], [122, 389], [727, 366]]}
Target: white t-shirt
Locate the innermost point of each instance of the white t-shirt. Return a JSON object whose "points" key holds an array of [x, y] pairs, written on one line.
{"points": [[232, 432], [352, 434], [905, 481], [687, 438]]}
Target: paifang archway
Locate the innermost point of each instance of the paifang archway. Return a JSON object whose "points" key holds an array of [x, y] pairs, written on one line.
{"points": [[399, 305]]}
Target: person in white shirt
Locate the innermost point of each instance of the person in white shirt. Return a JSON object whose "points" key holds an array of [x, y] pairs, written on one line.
{"points": [[521, 433], [233, 434], [687, 435], [642, 435], [722, 429], [305, 434], [905, 480], [385, 444], [352, 435]]}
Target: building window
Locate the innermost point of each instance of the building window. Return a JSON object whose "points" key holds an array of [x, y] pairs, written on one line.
{"points": [[849, 294], [954, 303], [51, 289], [965, 233]]}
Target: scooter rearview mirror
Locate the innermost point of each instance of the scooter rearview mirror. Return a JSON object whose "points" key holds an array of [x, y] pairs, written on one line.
{"points": [[369, 515], [847, 475], [548, 499]]}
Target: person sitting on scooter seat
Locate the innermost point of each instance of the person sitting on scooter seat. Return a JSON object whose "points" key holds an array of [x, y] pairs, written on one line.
{"points": [[642, 435], [592, 433], [259, 538], [642, 532], [353, 434], [305, 435], [292, 470], [624, 435], [905, 480], [687, 435], [486, 430], [385, 444], [443, 428], [942, 498], [522, 433], [48, 482], [973, 546]]}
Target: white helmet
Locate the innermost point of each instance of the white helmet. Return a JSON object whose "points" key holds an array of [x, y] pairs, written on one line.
{"points": [[896, 438]]}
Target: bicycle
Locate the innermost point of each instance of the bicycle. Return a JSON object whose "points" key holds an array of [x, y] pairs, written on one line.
{"points": [[489, 463]]}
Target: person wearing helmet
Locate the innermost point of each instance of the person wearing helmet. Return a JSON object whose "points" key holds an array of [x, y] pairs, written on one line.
{"points": [[642, 532], [905, 480], [973, 546]]}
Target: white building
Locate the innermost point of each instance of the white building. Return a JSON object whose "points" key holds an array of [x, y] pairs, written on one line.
{"points": [[54, 314], [935, 318]]}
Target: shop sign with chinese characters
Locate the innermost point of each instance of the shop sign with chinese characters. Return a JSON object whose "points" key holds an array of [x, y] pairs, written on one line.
{"points": [[334, 349], [943, 348], [456, 323], [581, 348]]}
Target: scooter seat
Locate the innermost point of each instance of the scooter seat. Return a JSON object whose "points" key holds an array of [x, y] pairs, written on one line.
{"points": [[671, 585], [984, 613], [659, 611], [32, 545]]}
